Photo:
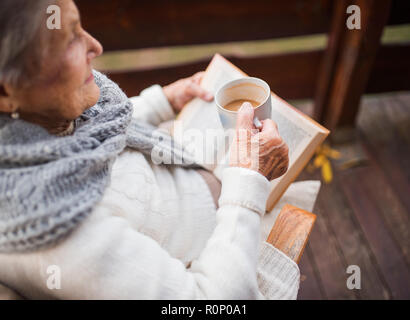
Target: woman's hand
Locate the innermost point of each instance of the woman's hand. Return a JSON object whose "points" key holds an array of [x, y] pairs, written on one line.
{"points": [[184, 90], [263, 151]]}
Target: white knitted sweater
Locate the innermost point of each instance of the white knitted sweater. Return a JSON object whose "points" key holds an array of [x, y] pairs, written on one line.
{"points": [[156, 234]]}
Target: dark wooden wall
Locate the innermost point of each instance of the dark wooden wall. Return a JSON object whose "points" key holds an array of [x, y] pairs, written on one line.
{"points": [[130, 24]]}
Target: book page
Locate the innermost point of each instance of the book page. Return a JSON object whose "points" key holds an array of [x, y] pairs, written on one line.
{"points": [[296, 135], [202, 115], [289, 131]]}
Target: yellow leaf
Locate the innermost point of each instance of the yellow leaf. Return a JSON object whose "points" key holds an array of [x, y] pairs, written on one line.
{"points": [[329, 152], [325, 148], [327, 171], [319, 160], [334, 154]]}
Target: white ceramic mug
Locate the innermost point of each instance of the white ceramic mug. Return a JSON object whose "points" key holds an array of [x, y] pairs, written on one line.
{"points": [[248, 88]]}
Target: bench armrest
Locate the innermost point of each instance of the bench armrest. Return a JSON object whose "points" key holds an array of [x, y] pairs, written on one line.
{"points": [[291, 231]]}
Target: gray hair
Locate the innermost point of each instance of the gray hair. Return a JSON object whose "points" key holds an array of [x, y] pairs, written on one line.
{"points": [[19, 23]]}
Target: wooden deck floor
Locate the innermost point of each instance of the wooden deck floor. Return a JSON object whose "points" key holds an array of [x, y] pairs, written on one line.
{"points": [[364, 213]]}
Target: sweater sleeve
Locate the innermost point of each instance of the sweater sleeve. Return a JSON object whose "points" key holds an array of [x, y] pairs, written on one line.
{"points": [[152, 106], [278, 275], [105, 258]]}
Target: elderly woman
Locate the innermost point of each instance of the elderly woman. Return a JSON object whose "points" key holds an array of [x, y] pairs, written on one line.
{"points": [[84, 211]]}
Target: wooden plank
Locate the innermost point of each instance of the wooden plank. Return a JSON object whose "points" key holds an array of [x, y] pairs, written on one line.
{"points": [[354, 247], [396, 106], [394, 173], [329, 61], [399, 12], [389, 258], [291, 231], [387, 148], [391, 69], [326, 255], [130, 24], [386, 125], [331, 267], [399, 142], [133, 82], [310, 282], [289, 76], [338, 96], [391, 209]]}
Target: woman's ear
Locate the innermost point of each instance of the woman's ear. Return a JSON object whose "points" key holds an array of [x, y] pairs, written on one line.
{"points": [[6, 104], [2, 90]]}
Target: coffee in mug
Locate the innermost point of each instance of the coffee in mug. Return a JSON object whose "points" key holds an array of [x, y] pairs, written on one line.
{"points": [[236, 104], [230, 97]]}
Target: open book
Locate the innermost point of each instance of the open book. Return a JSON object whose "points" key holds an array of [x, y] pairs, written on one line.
{"points": [[302, 134]]}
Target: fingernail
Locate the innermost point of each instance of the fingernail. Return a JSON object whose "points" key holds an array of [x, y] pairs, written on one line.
{"points": [[209, 96], [244, 106], [257, 123]]}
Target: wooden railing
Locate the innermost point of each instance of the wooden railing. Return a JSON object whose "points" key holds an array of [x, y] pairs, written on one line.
{"points": [[319, 74]]}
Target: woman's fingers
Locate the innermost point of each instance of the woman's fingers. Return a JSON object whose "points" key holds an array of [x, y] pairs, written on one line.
{"points": [[196, 90], [197, 77], [270, 132], [245, 117], [269, 124], [184, 90], [264, 152]]}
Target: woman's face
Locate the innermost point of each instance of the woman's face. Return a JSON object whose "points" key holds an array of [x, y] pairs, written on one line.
{"points": [[64, 86]]}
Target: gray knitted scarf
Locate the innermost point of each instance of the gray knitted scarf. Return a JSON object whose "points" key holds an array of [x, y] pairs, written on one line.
{"points": [[49, 184]]}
